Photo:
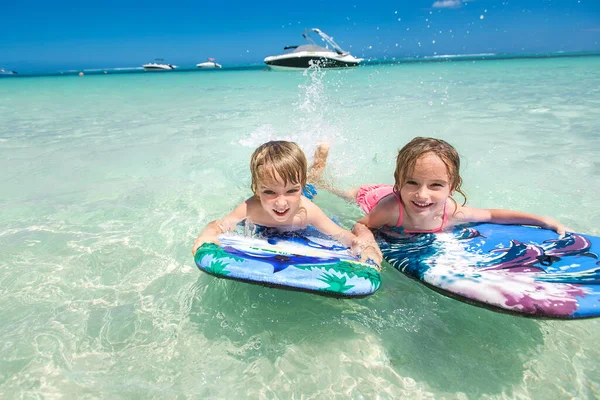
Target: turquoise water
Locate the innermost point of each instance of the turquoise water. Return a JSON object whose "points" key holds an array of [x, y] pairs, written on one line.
{"points": [[107, 179]]}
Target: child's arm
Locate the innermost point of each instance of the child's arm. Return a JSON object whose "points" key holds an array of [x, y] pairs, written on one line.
{"points": [[384, 213], [215, 228], [509, 217], [365, 242], [318, 219], [323, 223]]}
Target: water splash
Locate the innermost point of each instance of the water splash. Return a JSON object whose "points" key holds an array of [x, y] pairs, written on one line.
{"points": [[314, 116]]}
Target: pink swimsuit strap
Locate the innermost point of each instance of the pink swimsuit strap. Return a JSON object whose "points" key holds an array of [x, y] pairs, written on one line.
{"points": [[401, 218]]}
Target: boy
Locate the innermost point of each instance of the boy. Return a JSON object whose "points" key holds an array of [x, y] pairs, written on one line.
{"points": [[279, 177]]}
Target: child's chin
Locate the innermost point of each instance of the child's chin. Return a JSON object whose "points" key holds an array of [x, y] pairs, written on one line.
{"points": [[421, 210]]}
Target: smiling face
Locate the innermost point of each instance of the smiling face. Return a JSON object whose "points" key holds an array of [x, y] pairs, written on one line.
{"points": [[426, 188], [280, 200], [278, 170]]}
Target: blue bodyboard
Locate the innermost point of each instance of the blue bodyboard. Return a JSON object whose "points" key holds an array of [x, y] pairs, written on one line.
{"points": [[513, 268], [305, 261]]}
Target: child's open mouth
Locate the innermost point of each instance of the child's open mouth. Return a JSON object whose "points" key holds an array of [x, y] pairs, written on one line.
{"points": [[281, 213], [422, 205]]}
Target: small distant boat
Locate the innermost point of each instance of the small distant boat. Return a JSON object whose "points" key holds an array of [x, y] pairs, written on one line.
{"points": [[209, 64], [158, 65], [7, 72], [311, 54]]}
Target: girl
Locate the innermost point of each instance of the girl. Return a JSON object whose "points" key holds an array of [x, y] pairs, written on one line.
{"points": [[420, 201]]}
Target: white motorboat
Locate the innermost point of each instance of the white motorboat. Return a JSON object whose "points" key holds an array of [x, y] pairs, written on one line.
{"points": [[158, 65], [311, 54], [209, 64]]}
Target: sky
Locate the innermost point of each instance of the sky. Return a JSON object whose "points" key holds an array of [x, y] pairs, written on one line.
{"points": [[41, 34]]}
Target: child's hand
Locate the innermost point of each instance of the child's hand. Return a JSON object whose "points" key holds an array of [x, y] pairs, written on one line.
{"points": [[556, 226], [200, 240], [371, 257], [367, 249]]}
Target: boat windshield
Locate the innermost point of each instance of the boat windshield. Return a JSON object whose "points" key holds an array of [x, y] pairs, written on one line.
{"points": [[311, 47], [325, 38]]}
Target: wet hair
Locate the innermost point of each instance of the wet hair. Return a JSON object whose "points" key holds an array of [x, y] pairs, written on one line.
{"points": [[418, 147], [278, 157]]}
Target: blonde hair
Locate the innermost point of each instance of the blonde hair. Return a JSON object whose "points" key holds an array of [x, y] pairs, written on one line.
{"points": [[281, 158], [418, 147]]}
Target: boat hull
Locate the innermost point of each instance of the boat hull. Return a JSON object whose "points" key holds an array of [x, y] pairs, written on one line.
{"points": [[208, 65], [307, 60], [159, 67]]}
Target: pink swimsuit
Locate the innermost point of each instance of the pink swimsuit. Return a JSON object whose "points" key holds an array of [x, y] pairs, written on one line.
{"points": [[369, 195]]}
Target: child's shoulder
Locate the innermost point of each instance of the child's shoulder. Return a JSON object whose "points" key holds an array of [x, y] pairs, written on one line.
{"points": [[386, 212], [389, 201], [311, 211], [251, 201], [245, 209], [251, 205], [452, 207], [308, 205], [388, 204]]}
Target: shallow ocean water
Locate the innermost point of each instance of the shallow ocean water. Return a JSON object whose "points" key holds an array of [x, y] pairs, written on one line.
{"points": [[107, 179]]}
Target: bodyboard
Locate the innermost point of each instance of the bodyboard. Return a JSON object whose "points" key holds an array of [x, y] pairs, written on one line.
{"points": [[513, 268], [304, 260]]}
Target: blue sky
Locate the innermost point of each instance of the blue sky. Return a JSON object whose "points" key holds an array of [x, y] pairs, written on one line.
{"points": [[45, 35]]}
